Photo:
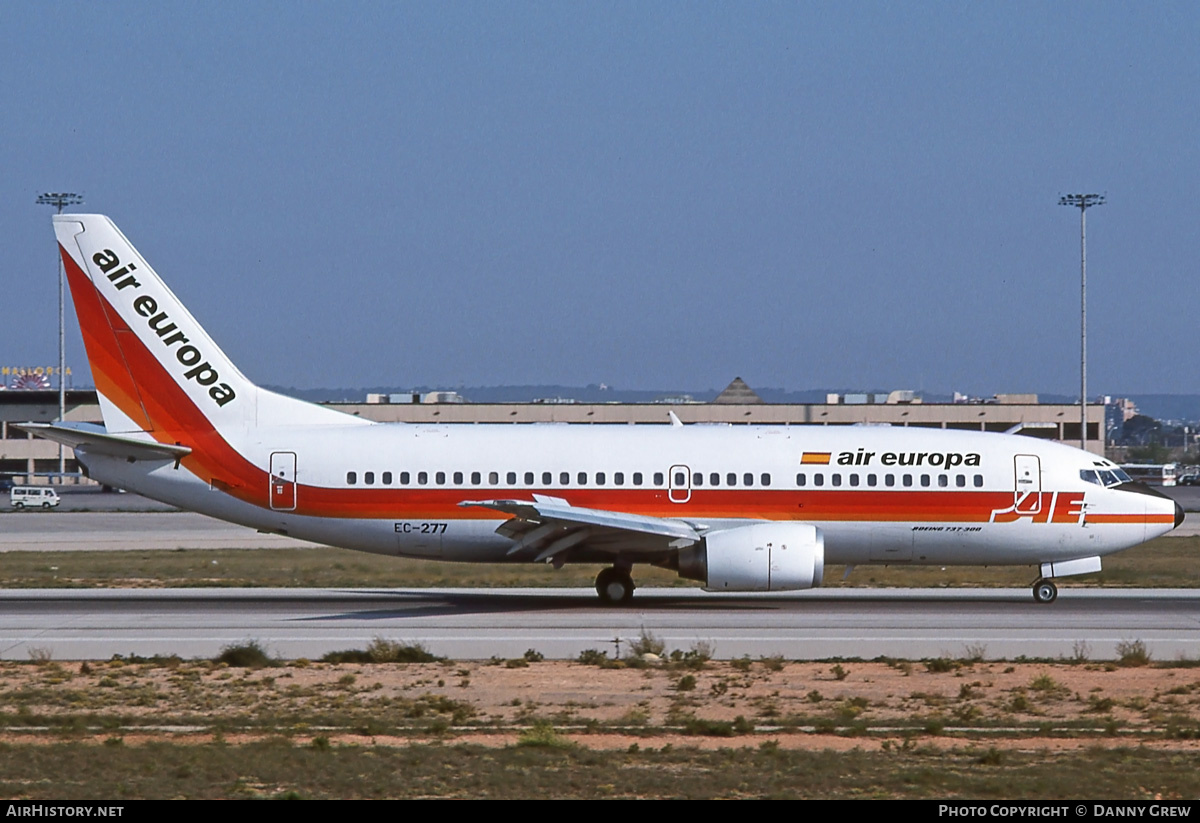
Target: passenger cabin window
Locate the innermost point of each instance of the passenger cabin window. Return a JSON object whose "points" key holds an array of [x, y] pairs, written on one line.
{"points": [[960, 480], [801, 479], [907, 480], [369, 478], [854, 480], [837, 479], [818, 480], [618, 478], [440, 478], [387, 478], [766, 479], [979, 481], [528, 478], [547, 478], [493, 478], [680, 479], [731, 479], [351, 478], [658, 478], [872, 480], [458, 478], [698, 479], [422, 478], [511, 478], [476, 479], [564, 478], [599, 478], [714, 479], [582, 478], [943, 480], [889, 480], [924, 480], [405, 478], [747, 479], [637, 478]]}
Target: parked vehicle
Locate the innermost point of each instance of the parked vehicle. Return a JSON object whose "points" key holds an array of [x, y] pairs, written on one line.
{"points": [[33, 496], [1153, 474]]}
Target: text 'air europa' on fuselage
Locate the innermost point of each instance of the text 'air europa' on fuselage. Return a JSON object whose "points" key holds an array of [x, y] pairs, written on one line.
{"points": [[862, 457]]}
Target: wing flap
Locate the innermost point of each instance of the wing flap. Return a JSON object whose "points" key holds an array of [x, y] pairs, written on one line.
{"points": [[551, 526]]}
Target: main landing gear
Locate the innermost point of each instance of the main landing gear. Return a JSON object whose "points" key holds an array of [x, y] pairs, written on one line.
{"points": [[614, 586], [1044, 591]]}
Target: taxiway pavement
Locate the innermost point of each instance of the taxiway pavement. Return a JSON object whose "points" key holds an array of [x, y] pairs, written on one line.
{"points": [[560, 623]]}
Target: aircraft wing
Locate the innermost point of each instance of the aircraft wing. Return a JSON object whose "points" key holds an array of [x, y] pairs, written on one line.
{"points": [[550, 526], [94, 439]]}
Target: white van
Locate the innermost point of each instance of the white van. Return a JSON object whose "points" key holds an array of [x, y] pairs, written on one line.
{"points": [[44, 496]]}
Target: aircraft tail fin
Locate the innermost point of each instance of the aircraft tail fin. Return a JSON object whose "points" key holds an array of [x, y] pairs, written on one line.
{"points": [[156, 369]]}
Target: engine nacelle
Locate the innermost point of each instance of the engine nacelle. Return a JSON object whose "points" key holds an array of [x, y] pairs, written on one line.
{"points": [[765, 557]]}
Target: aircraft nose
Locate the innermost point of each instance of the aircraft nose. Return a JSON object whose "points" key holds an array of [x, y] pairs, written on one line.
{"points": [[1178, 515]]}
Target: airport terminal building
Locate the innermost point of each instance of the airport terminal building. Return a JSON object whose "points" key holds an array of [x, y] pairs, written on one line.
{"points": [[24, 458]]}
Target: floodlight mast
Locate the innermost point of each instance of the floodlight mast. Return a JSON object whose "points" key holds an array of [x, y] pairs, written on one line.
{"points": [[60, 200], [1083, 202]]}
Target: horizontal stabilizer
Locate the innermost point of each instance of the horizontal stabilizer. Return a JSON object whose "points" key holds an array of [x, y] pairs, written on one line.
{"points": [[94, 440]]}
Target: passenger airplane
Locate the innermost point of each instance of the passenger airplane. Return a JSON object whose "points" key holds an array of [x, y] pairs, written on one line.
{"points": [[741, 508]]}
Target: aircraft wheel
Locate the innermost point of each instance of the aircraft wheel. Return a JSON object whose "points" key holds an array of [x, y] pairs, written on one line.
{"points": [[614, 586], [1044, 591]]}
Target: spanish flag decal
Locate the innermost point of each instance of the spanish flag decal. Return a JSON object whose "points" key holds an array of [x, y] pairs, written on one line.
{"points": [[815, 459]]}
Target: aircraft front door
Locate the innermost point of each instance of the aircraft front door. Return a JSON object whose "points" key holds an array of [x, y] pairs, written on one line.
{"points": [[283, 481], [1028, 495]]}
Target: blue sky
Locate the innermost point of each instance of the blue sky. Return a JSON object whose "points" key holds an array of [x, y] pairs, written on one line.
{"points": [[650, 195]]}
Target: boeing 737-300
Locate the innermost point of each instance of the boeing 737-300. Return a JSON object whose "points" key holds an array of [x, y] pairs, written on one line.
{"points": [[740, 508]]}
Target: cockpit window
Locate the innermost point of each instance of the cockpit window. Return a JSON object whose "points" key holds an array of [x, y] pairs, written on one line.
{"points": [[1105, 477]]}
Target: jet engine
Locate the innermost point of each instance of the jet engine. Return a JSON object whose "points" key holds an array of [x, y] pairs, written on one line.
{"points": [[765, 557]]}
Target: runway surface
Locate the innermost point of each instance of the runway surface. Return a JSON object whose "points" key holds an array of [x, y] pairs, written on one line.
{"points": [[559, 623]]}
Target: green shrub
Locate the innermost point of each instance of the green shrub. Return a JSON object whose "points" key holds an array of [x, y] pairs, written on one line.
{"points": [[248, 655], [1132, 653]]}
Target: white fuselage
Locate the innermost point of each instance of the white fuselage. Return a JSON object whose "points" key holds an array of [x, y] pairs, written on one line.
{"points": [[884, 495]]}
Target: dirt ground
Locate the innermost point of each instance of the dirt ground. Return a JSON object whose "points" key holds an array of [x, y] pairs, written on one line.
{"points": [[821, 706]]}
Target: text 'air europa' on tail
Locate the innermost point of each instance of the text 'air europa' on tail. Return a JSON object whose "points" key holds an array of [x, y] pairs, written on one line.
{"points": [[156, 370]]}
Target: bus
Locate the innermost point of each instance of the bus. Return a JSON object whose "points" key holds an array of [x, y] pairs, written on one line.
{"points": [[1153, 474]]}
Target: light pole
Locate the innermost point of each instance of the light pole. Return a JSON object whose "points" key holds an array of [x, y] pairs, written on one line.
{"points": [[1083, 202], [59, 200]]}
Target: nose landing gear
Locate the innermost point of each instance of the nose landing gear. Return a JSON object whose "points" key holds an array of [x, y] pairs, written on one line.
{"points": [[614, 586]]}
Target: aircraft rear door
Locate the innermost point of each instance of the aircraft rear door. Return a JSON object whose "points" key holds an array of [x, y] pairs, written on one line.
{"points": [[283, 481]]}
